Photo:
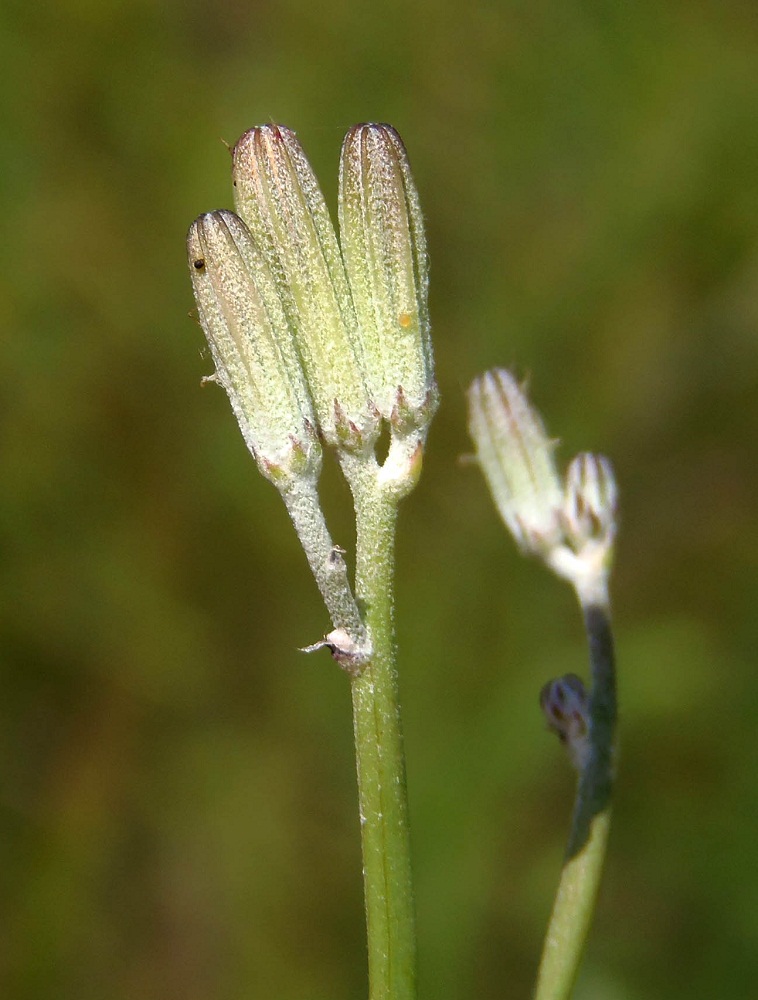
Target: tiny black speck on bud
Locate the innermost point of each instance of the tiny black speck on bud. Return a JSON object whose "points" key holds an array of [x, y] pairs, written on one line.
{"points": [[199, 263]]}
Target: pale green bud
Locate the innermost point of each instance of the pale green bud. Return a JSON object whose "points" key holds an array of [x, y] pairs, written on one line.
{"points": [[242, 314], [516, 456], [384, 247], [278, 196]]}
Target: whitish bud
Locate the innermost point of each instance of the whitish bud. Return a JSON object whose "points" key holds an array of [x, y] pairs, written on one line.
{"points": [[516, 456], [572, 527], [278, 196], [589, 520], [589, 509], [564, 704], [384, 248], [251, 340]]}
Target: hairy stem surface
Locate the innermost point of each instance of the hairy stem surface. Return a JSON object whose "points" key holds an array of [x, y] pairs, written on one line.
{"points": [[380, 757], [324, 558]]}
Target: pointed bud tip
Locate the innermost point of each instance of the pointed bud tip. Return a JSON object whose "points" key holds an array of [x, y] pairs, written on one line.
{"points": [[374, 131], [257, 137]]}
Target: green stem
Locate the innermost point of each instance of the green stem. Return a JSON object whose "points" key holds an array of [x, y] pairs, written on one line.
{"points": [[324, 558], [380, 757], [585, 854]]}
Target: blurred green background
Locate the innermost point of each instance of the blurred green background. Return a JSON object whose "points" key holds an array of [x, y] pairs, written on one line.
{"points": [[177, 801]]}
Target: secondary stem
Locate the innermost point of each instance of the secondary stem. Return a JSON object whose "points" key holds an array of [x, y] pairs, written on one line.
{"points": [[577, 891], [380, 758], [324, 558]]}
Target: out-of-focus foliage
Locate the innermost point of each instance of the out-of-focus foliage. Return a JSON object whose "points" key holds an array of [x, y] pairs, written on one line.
{"points": [[177, 803]]}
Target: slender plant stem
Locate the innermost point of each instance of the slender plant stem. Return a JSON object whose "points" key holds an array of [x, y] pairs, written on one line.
{"points": [[380, 757], [577, 891], [324, 558]]}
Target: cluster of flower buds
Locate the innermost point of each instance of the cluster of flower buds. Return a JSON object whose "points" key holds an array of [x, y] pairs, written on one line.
{"points": [[313, 341], [569, 524]]}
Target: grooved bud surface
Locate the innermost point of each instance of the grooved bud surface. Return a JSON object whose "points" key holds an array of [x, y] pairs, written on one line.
{"points": [[384, 247], [589, 509], [243, 316], [516, 456], [278, 196]]}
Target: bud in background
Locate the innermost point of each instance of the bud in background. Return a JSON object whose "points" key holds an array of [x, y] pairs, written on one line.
{"points": [[572, 528], [384, 248], [589, 520], [251, 340], [278, 196], [564, 704], [516, 456], [589, 508]]}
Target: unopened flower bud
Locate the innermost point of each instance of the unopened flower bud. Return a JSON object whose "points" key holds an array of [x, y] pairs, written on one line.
{"points": [[589, 509], [278, 196], [516, 456], [564, 704], [589, 523], [384, 247], [251, 340]]}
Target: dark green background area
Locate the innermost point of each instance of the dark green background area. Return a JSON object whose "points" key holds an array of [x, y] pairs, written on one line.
{"points": [[177, 801]]}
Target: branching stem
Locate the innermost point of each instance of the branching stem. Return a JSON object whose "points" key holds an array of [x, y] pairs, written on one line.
{"points": [[324, 558]]}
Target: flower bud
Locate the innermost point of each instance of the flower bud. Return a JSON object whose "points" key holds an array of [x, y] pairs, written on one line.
{"points": [[564, 704], [278, 196], [384, 248], [251, 340], [589, 507], [589, 522], [516, 457]]}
